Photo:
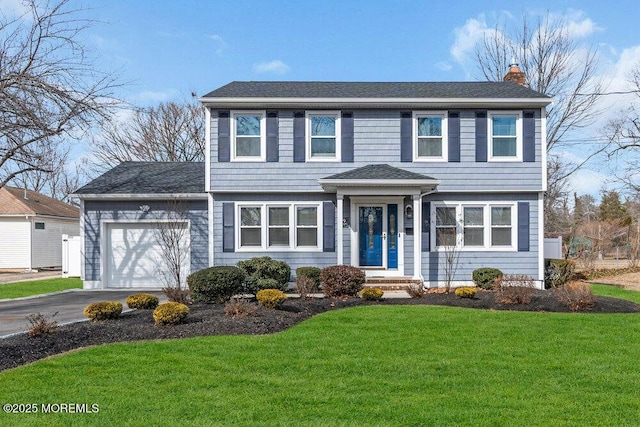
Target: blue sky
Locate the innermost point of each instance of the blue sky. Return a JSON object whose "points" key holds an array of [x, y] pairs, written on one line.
{"points": [[167, 49]]}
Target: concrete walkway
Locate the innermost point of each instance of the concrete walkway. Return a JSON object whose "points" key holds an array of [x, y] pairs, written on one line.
{"points": [[68, 304]]}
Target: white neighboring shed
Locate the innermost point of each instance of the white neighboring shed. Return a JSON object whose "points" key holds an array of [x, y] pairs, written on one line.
{"points": [[31, 229]]}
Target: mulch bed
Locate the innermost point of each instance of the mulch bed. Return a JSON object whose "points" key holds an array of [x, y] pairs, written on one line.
{"points": [[209, 319]]}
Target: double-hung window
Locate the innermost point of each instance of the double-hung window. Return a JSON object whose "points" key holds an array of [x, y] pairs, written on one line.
{"points": [[430, 136], [323, 136], [248, 135], [505, 136], [279, 226], [473, 226]]}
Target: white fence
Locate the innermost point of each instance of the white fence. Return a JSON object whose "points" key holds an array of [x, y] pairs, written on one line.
{"points": [[553, 247], [70, 256]]}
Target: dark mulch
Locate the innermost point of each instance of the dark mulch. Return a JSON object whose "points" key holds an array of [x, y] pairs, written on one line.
{"points": [[209, 319]]}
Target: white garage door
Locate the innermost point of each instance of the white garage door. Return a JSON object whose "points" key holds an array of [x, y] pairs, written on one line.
{"points": [[134, 256]]}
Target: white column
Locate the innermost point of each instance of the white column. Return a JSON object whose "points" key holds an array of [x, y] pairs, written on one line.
{"points": [[340, 249], [417, 237]]}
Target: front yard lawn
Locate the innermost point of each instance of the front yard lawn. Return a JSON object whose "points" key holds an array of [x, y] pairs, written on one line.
{"points": [[37, 287], [374, 365]]}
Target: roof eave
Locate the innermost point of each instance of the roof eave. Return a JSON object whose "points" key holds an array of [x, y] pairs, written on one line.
{"points": [[332, 185], [129, 196], [268, 102]]}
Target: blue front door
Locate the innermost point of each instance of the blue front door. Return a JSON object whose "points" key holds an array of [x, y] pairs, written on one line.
{"points": [[392, 236], [370, 218]]}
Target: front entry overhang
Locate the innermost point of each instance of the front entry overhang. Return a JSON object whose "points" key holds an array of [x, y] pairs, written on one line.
{"points": [[374, 182]]}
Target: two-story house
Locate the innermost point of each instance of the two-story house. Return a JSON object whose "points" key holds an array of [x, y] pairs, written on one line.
{"points": [[388, 177]]}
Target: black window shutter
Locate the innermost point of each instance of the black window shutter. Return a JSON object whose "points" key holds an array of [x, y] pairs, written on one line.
{"points": [[298, 137], [523, 227], [329, 227], [406, 137], [426, 226], [272, 136], [529, 137], [228, 227], [481, 136], [347, 137], [454, 136], [224, 137]]}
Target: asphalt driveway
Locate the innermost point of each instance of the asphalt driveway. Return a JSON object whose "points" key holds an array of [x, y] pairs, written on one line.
{"points": [[68, 305]]}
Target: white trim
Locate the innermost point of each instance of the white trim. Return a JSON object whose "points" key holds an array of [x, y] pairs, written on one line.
{"points": [[207, 152], [417, 237], [83, 251], [487, 205], [543, 146], [145, 196], [541, 239], [264, 226], [263, 135], [338, 136], [339, 229], [519, 138], [445, 136], [443, 103], [210, 206]]}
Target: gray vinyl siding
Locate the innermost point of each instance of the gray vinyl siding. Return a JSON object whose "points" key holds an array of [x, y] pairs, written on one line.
{"points": [[295, 259], [376, 140], [508, 262], [96, 211]]}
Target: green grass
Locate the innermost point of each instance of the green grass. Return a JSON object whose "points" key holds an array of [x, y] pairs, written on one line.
{"points": [[376, 365], [37, 287], [614, 291]]}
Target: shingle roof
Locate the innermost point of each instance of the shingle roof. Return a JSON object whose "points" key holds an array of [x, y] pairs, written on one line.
{"points": [[382, 171], [291, 89], [17, 201], [149, 178]]}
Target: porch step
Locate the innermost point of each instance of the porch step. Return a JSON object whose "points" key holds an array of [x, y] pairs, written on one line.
{"points": [[391, 283]]}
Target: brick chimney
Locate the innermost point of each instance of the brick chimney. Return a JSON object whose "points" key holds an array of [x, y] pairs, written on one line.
{"points": [[514, 74]]}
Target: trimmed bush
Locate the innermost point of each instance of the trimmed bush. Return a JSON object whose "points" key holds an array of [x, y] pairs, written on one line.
{"points": [[341, 281], [216, 284], [271, 298], [372, 294], [305, 285], [261, 268], [466, 292], [514, 289], [240, 308], [103, 310], [577, 296], [416, 290], [170, 313], [558, 272], [486, 277], [142, 301], [312, 273]]}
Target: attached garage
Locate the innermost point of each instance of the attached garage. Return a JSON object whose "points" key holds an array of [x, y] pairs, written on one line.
{"points": [[134, 254]]}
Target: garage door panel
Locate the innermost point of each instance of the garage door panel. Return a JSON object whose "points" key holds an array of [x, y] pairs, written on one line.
{"points": [[134, 256]]}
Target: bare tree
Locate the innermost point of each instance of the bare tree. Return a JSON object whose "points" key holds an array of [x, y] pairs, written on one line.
{"points": [[554, 64], [557, 215], [50, 92], [449, 257], [172, 236], [169, 132]]}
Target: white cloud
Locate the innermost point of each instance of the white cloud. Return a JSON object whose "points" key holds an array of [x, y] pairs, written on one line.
{"points": [[219, 43], [13, 7], [443, 66], [276, 67], [154, 97], [467, 36]]}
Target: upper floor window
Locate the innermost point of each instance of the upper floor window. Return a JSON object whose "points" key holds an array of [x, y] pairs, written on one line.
{"points": [[323, 136], [505, 136], [430, 136], [248, 135]]}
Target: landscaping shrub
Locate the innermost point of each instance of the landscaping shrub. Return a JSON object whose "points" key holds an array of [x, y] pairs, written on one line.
{"points": [[416, 290], [486, 277], [271, 298], [41, 324], [514, 289], [558, 272], [216, 284], [261, 268], [371, 294], [576, 295], [103, 310], [142, 301], [305, 285], [239, 307], [466, 292], [170, 313], [342, 280], [312, 273]]}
